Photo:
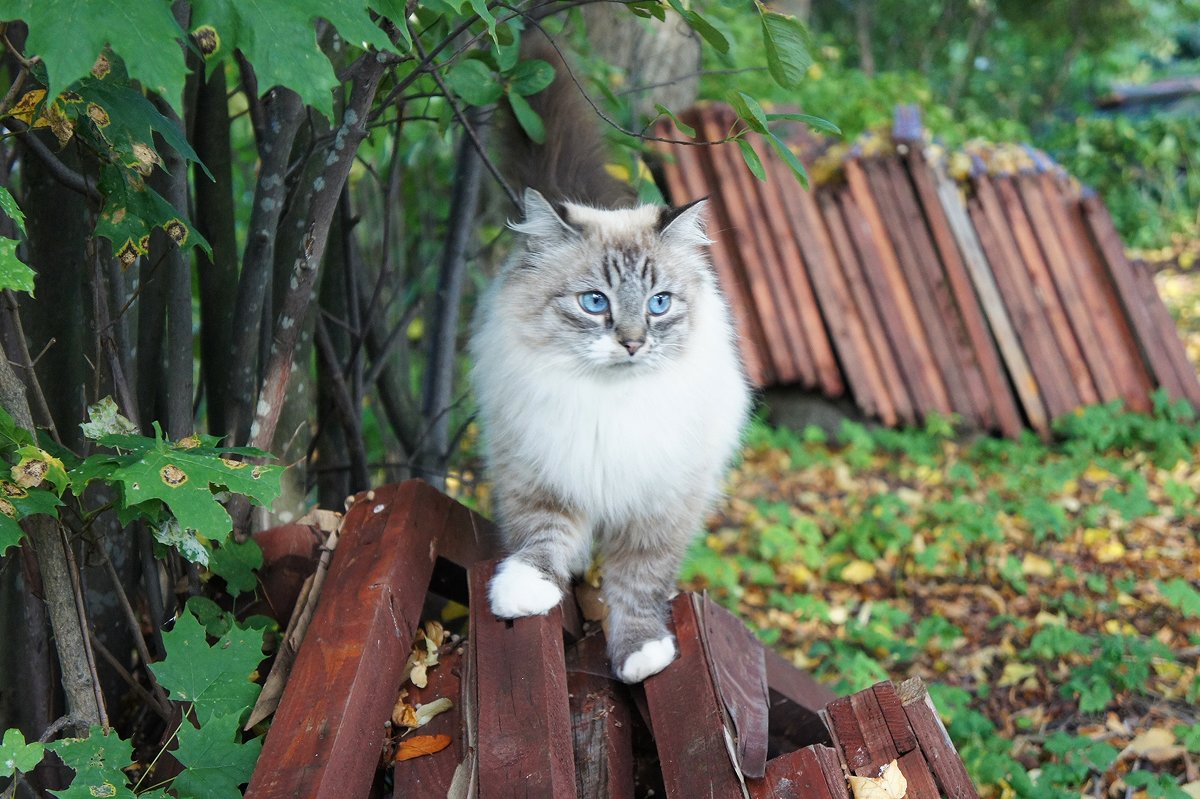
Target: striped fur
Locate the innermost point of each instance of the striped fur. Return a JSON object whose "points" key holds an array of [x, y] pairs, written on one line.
{"points": [[590, 447]]}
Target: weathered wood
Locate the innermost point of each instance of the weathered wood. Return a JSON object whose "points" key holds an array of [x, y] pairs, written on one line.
{"points": [[602, 723], [326, 743], [834, 770], [682, 700], [795, 273], [1003, 404], [921, 783], [745, 237], [939, 752], [735, 660], [1168, 335], [1091, 278], [685, 182], [795, 775], [523, 721], [892, 709], [432, 775], [877, 254], [890, 380], [847, 736]]}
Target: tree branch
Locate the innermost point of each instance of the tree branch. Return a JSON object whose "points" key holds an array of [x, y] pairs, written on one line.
{"points": [[58, 170]]}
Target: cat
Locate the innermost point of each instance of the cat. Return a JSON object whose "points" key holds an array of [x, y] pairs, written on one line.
{"points": [[610, 389]]}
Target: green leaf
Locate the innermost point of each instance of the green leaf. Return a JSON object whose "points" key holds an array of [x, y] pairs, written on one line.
{"points": [[97, 761], [14, 274], [69, 36], [685, 129], [132, 210], [397, 12], [1182, 596], [170, 533], [216, 764], [749, 110], [279, 38], [530, 77], [751, 158], [10, 207], [529, 120], [104, 418], [16, 755], [787, 44], [648, 9], [216, 621], [480, 7], [817, 123], [235, 562], [702, 26], [789, 158], [10, 533], [215, 678], [474, 82]]}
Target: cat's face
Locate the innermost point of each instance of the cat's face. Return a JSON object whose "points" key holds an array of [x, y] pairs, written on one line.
{"points": [[610, 290]]}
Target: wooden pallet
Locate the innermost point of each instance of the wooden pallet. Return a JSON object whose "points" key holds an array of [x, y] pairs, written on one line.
{"points": [[1006, 299], [536, 710]]}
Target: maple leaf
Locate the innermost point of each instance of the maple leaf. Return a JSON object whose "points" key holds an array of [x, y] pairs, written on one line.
{"points": [[217, 764], [97, 761], [215, 678]]}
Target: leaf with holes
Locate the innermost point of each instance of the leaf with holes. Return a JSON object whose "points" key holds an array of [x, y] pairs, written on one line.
{"points": [[216, 763], [97, 761], [132, 210], [215, 678], [144, 34]]}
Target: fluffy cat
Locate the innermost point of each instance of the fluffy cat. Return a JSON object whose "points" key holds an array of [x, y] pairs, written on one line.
{"points": [[611, 395]]}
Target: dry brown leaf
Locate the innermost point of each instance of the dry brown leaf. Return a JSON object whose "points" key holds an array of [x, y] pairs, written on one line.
{"points": [[890, 784], [404, 715], [421, 745], [1156, 744]]}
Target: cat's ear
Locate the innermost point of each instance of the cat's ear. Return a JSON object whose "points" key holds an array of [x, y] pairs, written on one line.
{"points": [[542, 220], [685, 224]]}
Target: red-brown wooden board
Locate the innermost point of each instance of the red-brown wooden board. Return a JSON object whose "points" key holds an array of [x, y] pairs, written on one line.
{"points": [[602, 723], [682, 700], [431, 775], [921, 783], [786, 352], [779, 230], [1095, 286], [885, 357], [735, 659], [1037, 340], [936, 314], [1003, 405], [846, 326], [1096, 357], [326, 743], [686, 182], [523, 723], [795, 775], [939, 752], [893, 716], [1185, 370], [1045, 291], [876, 251]]}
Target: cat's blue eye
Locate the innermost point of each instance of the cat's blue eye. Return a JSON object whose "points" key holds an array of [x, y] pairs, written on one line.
{"points": [[593, 302], [658, 304]]}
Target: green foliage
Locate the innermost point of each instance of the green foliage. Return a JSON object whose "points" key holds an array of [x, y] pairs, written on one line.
{"points": [[16, 755], [97, 761], [14, 274], [216, 761]]}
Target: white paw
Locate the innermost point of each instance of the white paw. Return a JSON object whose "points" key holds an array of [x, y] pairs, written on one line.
{"points": [[653, 657], [517, 589]]}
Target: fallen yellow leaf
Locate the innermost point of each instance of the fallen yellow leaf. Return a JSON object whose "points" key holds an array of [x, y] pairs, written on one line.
{"points": [[1037, 566], [420, 745], [858, 572], [890, 784], [1015, 673]]}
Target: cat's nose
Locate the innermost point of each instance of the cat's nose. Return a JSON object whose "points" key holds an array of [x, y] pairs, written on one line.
{"points": [[633, 345]]}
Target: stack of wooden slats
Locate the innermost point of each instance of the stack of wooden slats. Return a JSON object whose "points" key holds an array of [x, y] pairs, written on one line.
{"points": [[536, 711], [1007, 299]]}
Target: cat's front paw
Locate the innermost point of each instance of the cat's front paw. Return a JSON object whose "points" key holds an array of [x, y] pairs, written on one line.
{"points": [[651, 658], [517, 589]]}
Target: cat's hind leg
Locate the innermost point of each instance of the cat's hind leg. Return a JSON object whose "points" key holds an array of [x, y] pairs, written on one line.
{"points": [[640, 567], [547, 544]]}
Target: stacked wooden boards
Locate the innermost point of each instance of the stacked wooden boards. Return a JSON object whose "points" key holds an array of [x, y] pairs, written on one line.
{"points": [[1006, 298], [536, 712]]}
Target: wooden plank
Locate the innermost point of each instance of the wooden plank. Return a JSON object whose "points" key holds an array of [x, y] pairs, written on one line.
{"points": [[1172, 344], [432, 775], [936, 313], [921, 783], [1128, 370], [1045, 360], [999, 320], [796, 701], [881, 750], [1108, 243], [683, 700], [848, 737], [876, 253], [602, 723], [523, 721], [939, 752], [685, 182], [786, 352], [795, 775], [327, 743], [735, 660], [884, 356], [834, 770], [1095, 356], [1002, 402], [795, 273], [846, 326], [1045, 291], [893, 716]]}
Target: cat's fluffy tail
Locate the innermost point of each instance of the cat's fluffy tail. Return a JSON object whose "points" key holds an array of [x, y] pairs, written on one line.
{"points": [[570, 163]]}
